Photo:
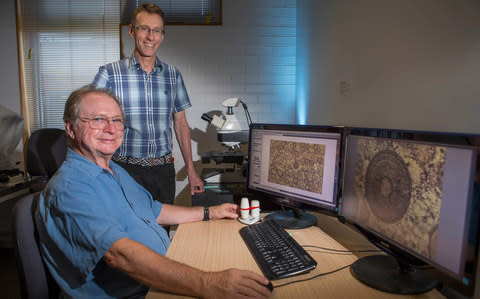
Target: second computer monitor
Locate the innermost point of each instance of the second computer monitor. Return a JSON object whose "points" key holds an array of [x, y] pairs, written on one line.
{"points": [[415, 195]]}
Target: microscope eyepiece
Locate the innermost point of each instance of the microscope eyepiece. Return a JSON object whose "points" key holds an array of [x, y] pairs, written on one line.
{"points": [[206, 117]]}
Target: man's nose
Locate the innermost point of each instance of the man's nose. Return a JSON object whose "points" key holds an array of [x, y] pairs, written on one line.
{"points": [[150, 35], [110, 126]]}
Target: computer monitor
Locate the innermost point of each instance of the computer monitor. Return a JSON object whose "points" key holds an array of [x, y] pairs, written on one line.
{"points": [[298, 165], [416, 196]]}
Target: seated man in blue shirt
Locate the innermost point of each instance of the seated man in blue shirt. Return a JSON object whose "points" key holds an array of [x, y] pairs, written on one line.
{"points": [[100, 231]]}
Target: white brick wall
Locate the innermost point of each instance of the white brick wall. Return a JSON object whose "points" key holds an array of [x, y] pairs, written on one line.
{"points": [[252, 56]]}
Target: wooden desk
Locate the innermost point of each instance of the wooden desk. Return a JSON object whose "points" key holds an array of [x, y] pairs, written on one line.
{"points": [[217, 245]]}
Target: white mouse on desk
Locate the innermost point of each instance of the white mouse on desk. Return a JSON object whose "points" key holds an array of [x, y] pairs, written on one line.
{"points": [[249, 214]]}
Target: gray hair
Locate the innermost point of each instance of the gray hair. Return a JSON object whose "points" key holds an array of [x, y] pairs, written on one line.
{"points": [[71, 113]]}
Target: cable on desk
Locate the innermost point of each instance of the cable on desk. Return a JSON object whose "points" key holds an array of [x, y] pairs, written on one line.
{"points": [[341, 250], [420, 267], [313, 277]]}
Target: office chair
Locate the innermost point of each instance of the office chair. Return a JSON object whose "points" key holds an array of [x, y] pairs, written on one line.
{"points": [[46, 150], [35, 280]]}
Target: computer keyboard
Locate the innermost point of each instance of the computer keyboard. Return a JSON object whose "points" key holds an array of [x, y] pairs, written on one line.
{"points": [[277, 254]]}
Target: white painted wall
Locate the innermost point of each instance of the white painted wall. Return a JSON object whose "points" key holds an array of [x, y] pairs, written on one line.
{"points": [[9, 82], [251, 56], [9, 85], [385, 63], [399, 64]]}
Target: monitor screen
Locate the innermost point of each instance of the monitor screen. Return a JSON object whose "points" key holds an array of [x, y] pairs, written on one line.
{"points": [[413, 194], [296, 163]]}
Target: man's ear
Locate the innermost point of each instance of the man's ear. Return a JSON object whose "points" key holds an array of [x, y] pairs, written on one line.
{"points": [[70, 131], [131, 31]]}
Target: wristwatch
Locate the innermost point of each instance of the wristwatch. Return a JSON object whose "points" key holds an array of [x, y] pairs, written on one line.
{"points": [[206, 214]]}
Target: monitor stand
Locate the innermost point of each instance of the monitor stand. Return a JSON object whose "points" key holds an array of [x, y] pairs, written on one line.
{"points": [[293, 218], [386, 273]]}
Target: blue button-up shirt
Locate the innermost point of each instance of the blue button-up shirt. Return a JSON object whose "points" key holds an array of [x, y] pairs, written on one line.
{"points": [[149, 102], [81, 213]]}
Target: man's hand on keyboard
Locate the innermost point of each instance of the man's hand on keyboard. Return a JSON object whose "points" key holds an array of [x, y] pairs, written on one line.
{"points": [[235, 283]]}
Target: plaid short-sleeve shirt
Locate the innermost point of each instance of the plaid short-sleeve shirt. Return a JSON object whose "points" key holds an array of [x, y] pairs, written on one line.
{"points": [[149, 102]]}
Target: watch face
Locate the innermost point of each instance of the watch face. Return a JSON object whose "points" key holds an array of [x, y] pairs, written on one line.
{"points": [[206, 214]]}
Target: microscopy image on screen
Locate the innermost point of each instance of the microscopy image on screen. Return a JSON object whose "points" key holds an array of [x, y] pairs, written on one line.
{"points": [[401, 186], [291, 165]]}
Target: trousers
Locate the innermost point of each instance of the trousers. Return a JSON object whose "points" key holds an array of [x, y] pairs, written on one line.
{"points": [[158, 180]]}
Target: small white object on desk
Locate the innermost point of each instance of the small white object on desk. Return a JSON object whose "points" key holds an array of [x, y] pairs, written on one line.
{"points": [[249, 214]]}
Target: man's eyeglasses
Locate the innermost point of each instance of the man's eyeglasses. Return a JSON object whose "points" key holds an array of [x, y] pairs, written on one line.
{"points": [[145, 30], [100, 123]]}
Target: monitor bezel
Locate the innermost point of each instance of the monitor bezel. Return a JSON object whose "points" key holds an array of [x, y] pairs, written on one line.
{"points": [[390, 246], [299, 203]]}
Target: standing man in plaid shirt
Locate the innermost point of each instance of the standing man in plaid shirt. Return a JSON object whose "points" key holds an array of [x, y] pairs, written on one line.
{"points": [[153, 97]]}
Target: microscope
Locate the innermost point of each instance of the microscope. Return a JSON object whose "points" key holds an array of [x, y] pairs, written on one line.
{"points": [[231, 134]]}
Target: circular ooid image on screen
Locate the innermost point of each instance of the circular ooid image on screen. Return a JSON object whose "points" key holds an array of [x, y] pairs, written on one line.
{"points": [[399, 190], [388, 186]]}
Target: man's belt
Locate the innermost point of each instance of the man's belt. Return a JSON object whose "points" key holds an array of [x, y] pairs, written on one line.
{"points": [[168, 158]]}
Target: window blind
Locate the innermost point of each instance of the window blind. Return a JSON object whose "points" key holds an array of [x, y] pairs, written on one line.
{"points": [[63, 44], [193, 12]]}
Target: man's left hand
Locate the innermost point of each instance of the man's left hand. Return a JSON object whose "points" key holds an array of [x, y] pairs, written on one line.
{"points": [[226, 210]]}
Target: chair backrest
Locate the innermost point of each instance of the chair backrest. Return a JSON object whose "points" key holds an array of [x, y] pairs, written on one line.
{"points": [[35, 280], [46, 150]]}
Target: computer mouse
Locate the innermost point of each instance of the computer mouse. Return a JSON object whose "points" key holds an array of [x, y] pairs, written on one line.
{"points": [[269, 286]]}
